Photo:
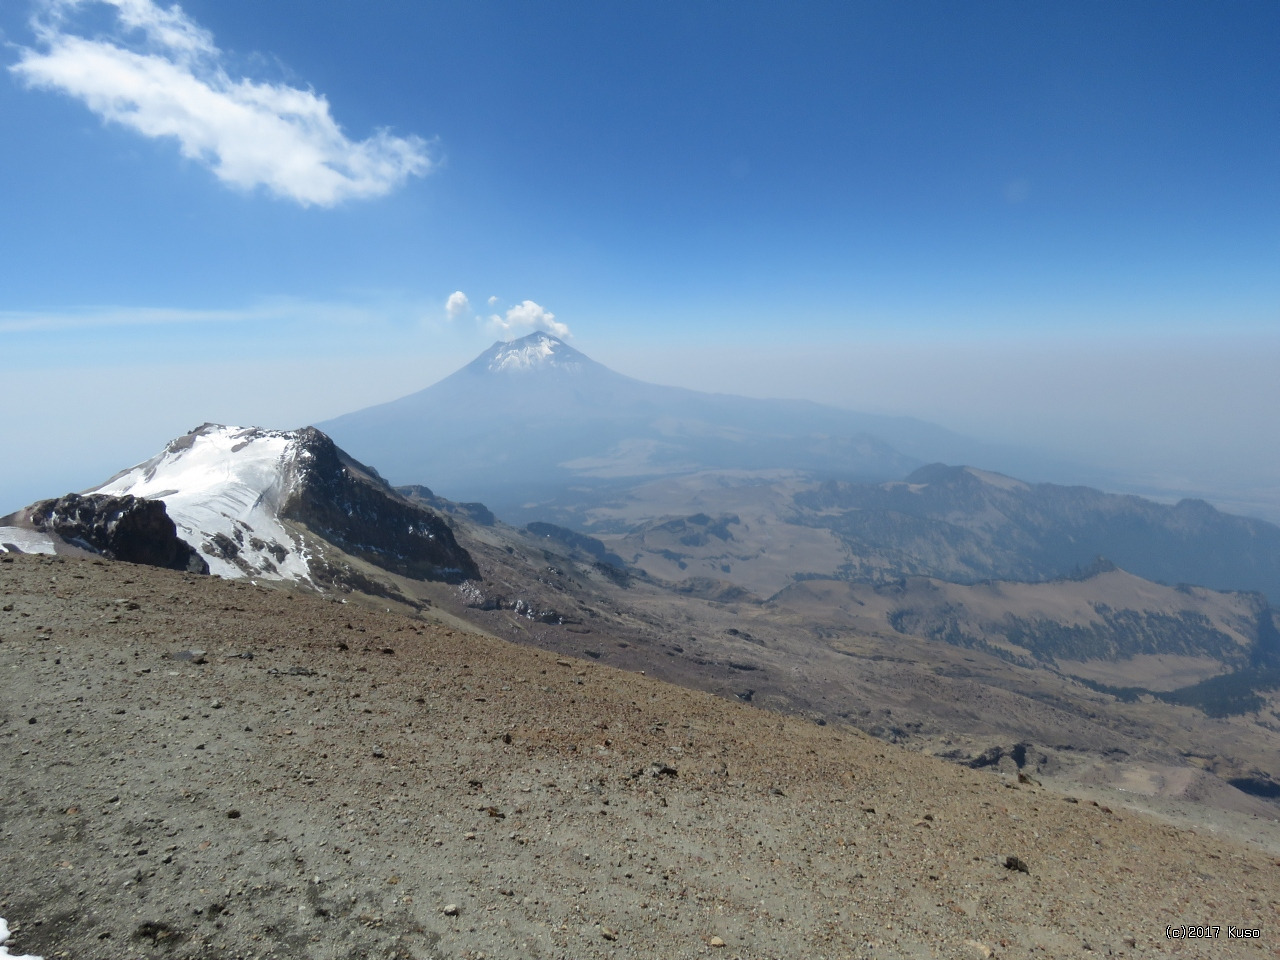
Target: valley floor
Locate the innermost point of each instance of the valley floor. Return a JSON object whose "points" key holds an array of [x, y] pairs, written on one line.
{"points": [[192, 767]]}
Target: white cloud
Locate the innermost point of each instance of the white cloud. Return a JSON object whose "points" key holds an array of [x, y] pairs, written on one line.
{"points": [[525, 318], [493, 301], [457, 305], [161, 75]]}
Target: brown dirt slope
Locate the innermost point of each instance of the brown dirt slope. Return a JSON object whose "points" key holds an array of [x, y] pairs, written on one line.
{"points": [[331, 795]]}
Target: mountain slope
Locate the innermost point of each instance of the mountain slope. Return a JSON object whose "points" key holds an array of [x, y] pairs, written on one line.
{"points": [[1110, 627], [425, 792], [887, 658]]}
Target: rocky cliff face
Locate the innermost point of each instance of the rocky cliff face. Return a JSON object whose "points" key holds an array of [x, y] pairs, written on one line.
{"points": [[352, 507], [121, 528]]}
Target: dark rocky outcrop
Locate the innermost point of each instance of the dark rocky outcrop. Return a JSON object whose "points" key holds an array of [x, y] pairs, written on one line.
{"points": [[351, 506], [127, 528]]}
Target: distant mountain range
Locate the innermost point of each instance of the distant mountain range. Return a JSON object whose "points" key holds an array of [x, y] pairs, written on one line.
{"points": [[534, 423], [540, 432], [964, 524]]}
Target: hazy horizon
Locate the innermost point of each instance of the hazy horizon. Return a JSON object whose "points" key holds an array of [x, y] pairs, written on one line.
{"points": [[1055, 227]]}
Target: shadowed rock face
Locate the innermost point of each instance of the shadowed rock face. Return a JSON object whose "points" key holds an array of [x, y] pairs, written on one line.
{"points": [[352, 507], [121, 528]]}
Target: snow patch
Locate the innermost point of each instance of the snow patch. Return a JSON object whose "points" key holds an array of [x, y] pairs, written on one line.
{"points": [[223, 487], [533, 351], [16, 539], [4, 927]]}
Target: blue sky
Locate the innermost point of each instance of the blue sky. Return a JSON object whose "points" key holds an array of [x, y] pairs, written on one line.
{"points": [[1055, 224]]}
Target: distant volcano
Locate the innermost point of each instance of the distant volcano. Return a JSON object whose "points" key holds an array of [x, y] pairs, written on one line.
{"points": [[530, 419]]}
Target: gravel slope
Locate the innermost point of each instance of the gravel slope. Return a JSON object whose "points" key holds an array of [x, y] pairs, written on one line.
{"points": [[325, 781]]}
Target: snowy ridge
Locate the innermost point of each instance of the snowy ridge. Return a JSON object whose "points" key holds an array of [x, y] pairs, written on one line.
{"points": [[223, 487], [538, 350]]}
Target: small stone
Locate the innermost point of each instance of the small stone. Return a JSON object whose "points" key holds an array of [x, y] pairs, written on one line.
{"points": [[379, 752], [716, 942], [608, 933], [450, 910], [1016, 863]]}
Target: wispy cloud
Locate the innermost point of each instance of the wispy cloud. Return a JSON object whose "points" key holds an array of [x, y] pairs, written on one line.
{"points": [[526, 317], [281, 310], [160, 73]]}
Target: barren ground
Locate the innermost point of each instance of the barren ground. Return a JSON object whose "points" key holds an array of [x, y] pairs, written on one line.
{"points": [[323, 781]]}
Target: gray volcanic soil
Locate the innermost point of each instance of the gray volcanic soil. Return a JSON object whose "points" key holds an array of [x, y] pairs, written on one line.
{"points": [[334, 793]]}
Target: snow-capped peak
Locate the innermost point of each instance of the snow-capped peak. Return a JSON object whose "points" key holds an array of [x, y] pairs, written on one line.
{"points": [[288, 505], [223, 487], [535, 351]]}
